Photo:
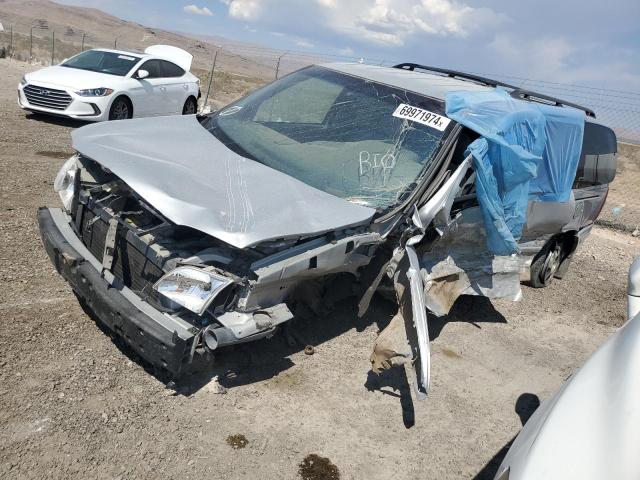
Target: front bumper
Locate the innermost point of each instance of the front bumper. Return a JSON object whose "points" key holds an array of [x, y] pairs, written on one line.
{"points": [[92, 109], [162, 340]]}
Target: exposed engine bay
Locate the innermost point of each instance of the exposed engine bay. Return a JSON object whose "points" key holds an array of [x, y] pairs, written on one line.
{"points": [[244, 293]]}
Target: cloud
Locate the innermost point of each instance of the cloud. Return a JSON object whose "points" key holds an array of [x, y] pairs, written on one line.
{"points": [[248, 10], [544, 57], [385, 22], [397, 21], [304, 43], [195, 10], [509, 38], [564, 61]]}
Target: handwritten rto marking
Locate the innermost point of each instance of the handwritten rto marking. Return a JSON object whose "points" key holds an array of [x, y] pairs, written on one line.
{"points": [[376, 167]]}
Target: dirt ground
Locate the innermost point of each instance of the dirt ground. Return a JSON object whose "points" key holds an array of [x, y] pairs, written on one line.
{"points": [[73, 404]]}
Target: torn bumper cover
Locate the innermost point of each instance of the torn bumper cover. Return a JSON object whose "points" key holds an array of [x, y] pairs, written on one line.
{"points": [[161, 340]]}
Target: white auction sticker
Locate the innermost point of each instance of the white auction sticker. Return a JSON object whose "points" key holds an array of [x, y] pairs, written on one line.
{"points": [[421, 115]]}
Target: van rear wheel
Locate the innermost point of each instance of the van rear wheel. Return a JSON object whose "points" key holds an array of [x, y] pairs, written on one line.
{"points": [[546, 264]]}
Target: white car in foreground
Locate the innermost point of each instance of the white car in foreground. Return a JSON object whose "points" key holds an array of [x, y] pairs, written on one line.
{"points": [[104, 84], [590, 429]]}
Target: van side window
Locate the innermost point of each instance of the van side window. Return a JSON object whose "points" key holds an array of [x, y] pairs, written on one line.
{"points": [[598, 157]]}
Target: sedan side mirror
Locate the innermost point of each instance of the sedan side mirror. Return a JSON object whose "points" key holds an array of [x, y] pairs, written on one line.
{"points": [[142, 74]]}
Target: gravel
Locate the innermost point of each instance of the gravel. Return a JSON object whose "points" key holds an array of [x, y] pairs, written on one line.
{"points": [[75, 404]]}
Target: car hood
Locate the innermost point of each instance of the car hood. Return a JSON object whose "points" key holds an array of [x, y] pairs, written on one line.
{"points": [[73, 78], [190, 177], [590, 429]]}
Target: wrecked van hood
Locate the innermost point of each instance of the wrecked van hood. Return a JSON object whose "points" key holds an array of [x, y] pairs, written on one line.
{"points": [[194, 180]]}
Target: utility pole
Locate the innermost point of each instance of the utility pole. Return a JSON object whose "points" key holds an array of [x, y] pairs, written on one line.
{"points": [[82, 47], [213, 67], [115, 43], [30, 44], [278, 64], [53, 45], [11, 43]]}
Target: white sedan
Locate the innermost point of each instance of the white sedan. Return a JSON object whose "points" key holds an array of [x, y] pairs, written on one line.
{"points": [[104, 84]]}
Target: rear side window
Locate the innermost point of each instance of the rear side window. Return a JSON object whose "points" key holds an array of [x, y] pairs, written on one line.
{"points": [[598, 158], [171, 69], [153, 67]]}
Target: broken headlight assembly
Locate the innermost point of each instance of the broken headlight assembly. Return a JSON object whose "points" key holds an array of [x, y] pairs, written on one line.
{"points": [[190, 287], [65, 182]]}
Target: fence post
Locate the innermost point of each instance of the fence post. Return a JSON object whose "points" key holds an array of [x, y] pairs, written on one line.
{"points": [[115, 42], [11, 43], [30, 44], [53, 44], [82, 47], [213, 67], [278, 64]]}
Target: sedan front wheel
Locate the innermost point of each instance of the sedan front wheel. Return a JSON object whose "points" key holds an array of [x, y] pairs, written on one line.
{"points": [[120, 109]]}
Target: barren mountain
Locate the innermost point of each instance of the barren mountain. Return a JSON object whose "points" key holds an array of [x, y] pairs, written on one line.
{"points": [[71, 23], [240, 67]]}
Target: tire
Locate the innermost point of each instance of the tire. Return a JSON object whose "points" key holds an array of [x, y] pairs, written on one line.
{"points": [[190, 106], [121, 109], [546, 264]]}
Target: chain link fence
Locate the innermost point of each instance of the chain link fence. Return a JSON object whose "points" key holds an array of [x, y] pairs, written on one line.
{"points": [[229, 72]]}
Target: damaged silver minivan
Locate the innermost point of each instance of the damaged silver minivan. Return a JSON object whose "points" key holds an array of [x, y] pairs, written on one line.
{"points": [[195, 232]]}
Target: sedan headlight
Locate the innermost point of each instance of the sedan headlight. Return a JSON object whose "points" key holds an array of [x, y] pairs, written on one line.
{"points": [[191, 287], [95, 92], [65, 182], [23, 81]]}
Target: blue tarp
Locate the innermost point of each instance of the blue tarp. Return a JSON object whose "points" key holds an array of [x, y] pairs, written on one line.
{"points": [[527, 151]]}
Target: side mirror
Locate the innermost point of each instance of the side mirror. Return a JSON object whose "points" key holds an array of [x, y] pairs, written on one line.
{"points": [[142, 74]]}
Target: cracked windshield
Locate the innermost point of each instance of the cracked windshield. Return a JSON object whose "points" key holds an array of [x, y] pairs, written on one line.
{"points": [[350, 137]]}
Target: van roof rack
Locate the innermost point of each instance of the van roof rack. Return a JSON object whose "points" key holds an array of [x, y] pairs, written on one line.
{"points": [[516, 92]]}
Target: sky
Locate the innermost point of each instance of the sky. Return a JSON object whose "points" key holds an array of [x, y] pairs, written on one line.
{"points": [[583, 42]]}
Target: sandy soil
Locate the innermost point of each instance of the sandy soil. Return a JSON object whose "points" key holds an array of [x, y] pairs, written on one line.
{"points": [[622, 210], [73, 404]]}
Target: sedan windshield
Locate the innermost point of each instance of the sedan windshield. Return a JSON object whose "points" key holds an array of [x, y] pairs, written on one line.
{"points": [[347, 136], [103, 62]]}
